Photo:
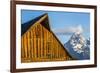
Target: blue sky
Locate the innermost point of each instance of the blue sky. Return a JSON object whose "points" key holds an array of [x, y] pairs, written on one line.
{"points": [[63, 24]]}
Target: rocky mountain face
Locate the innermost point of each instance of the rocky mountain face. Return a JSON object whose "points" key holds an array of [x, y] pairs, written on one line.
{"points": [[78, 46]]}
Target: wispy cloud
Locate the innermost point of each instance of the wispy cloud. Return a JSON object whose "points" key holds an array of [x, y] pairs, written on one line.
{"points": [[69, 30]]}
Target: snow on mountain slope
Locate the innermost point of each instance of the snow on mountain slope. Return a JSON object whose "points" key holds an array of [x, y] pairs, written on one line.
{"points": [[78, 46]]}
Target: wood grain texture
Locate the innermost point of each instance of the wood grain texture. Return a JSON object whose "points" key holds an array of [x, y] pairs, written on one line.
{"points": [[39, 44]]}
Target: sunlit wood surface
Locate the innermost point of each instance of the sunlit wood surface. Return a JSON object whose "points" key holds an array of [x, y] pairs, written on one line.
{"points": [[39, 44]]}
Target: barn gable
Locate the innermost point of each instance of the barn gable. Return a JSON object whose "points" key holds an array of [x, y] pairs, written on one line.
{"points": [[46, 46]]}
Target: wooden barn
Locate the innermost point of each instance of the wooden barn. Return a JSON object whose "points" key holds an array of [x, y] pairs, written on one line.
{"points": [[39, 44]]}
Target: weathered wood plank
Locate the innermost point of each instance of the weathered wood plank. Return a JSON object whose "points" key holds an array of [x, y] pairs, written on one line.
{"points": [[39, 44]]}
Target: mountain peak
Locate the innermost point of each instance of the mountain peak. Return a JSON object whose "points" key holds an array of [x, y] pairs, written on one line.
{"points": [[77, 41], [78, 37], [77, 44]]}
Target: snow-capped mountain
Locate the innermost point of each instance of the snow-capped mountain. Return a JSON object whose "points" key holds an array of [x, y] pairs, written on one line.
{"points": [[78, 46]]}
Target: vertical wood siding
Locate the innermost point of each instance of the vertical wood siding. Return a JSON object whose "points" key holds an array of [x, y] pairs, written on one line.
{"points": [[39, 44]]}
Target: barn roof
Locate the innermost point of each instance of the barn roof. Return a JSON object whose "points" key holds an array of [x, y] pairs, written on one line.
{"points": [[27, 25], [45, 23]]}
